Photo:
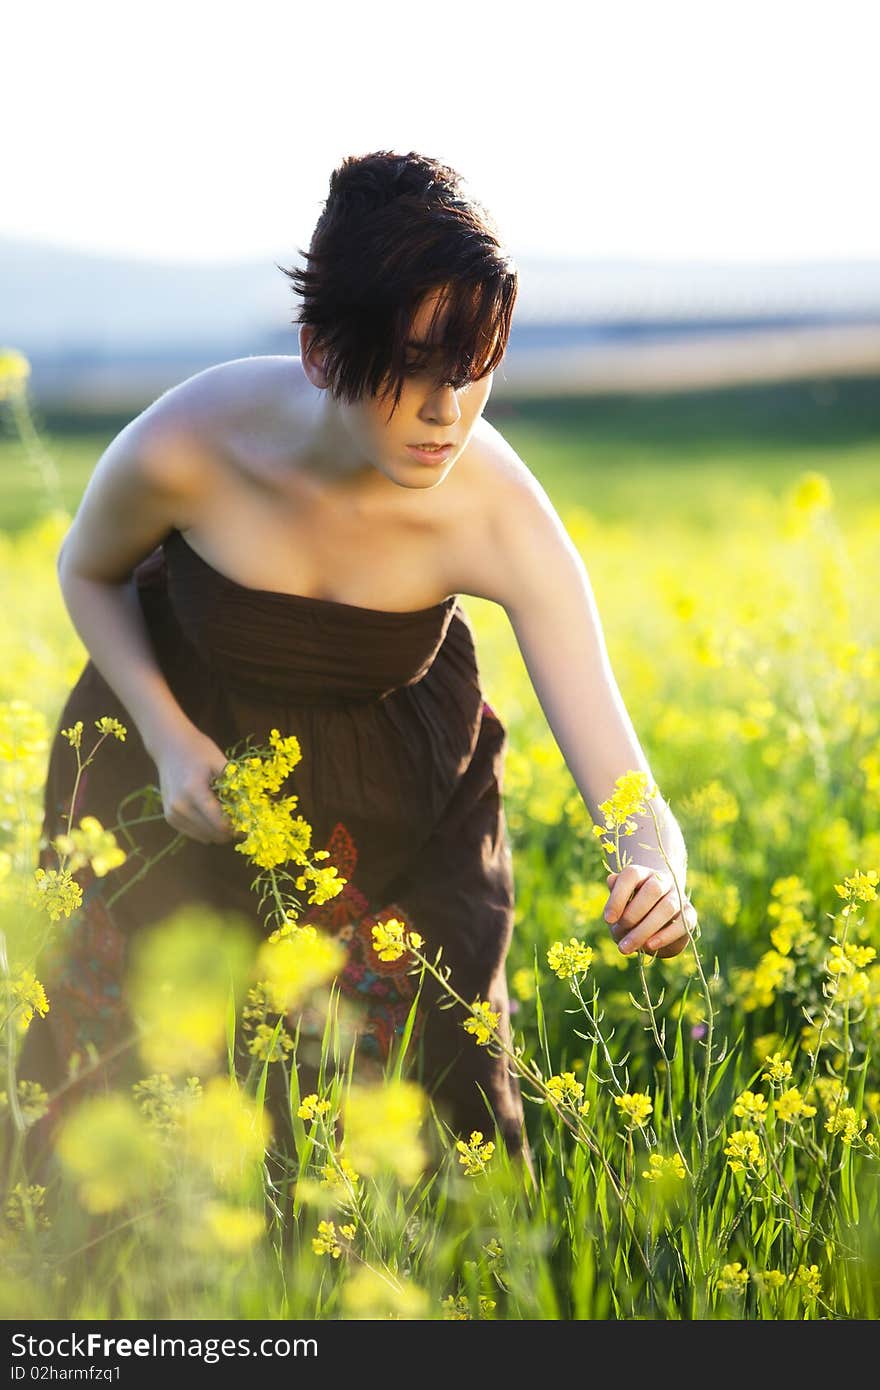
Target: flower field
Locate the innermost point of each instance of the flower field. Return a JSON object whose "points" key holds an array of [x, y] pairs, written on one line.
{"points": [[703, 1129]]}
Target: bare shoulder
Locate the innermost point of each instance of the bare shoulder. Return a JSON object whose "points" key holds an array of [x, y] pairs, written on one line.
{"points": [[193, 432], [210, 402], [155, 474], [510, 510], [508, 489]]}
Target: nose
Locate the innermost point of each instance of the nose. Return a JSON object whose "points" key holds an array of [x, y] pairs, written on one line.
{"points": [[441, 406]]}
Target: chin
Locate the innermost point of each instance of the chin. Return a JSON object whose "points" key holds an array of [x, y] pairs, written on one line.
{"points": [[420, 484]]}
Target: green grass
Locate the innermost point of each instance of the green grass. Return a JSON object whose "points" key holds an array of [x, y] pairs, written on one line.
{"points": [[691, 453], [694, 453], [749, 659]]}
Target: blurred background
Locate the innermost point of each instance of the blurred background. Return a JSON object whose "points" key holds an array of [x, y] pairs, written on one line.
{"points": [[687, 194], [693, 376]]}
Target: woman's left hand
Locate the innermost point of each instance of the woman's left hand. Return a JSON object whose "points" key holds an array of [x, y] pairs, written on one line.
{"points": [[643, 912]]}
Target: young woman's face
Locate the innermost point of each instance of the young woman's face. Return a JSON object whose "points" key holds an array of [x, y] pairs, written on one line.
{"points": [[429, 412]]}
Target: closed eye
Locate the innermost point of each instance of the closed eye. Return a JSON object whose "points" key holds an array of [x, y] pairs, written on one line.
{"points": [[420, 369]]}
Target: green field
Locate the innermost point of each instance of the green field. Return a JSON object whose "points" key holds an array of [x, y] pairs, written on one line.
{"points": [[688, 453], [705, 1129]]}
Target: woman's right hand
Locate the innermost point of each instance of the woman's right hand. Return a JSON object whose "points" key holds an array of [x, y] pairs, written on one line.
{"points": [[187, 761]]}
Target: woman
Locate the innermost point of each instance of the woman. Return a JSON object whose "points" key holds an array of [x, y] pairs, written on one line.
{"points": [[280, 542]]}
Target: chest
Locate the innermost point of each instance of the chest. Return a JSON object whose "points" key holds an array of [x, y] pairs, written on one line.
{"points": [[265, 529]]}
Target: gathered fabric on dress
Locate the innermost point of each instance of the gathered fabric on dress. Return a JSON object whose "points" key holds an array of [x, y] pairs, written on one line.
{"points": [[400, 778]]}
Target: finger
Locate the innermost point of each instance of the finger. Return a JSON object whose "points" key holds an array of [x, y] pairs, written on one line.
{"points": [[674, 930], [648, 892], [208, 815], [674, 948], [661, 917], [651, 891], [216, 808], [626, 883], [223, 829]]}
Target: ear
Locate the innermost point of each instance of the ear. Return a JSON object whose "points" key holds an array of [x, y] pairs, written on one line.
{"points": [[312, 361]]}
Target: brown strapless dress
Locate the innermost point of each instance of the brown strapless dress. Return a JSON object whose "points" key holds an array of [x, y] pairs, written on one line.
{"points": [[400, 778]]}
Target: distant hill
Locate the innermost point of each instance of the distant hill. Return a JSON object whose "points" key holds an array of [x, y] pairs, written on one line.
{"points": [[56, 300], [112, 330]]}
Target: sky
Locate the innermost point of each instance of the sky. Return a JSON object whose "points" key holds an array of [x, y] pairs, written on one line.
{"points": [[194, 131]]}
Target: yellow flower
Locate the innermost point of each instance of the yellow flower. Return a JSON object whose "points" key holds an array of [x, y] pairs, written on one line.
{"points": [[778, 1068], [106, 725], [14, 372], [24, 1199], [849, 958], [812, 493], [288, 754], [482, 1023], [793, 931], [458, 1309], [846, 1122], [635, 1108], [860, 885], [74, 734], [107, 1146], [272, 834], [585, 901], [713, 803], [226, 1227], [367, 1295], [565, 1090], [30, 997], [732, 1278], [390, 939], [312, 1107], [660, 1168], [268, 1047], [474, 1155], [382, 1129], [568, 960], [743, 1149], [626, 800], [750, 1104], [341, 1176], [522, 983], [807, 1279], [91, 844], [56, 892], [290, 967], [791, 1106], [181, 971], [33, 1101], [768, 1279], [161, 1102], [326, 1241], [831, 1091], [226, 1132]]}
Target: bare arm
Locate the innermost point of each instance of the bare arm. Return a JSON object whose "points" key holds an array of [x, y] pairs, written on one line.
{"points": [[146, 482], [134, 497], [541, 581]]}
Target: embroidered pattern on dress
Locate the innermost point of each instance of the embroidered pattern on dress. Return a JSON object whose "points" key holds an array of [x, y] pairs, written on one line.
{"points": [[385, 987], [85, 964]]}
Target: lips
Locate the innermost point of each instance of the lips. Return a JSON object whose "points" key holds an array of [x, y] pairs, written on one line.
{"points": [[433, 454]]}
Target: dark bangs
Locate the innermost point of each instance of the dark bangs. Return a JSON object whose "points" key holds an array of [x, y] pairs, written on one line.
{"points": [[394, 229], [473, 340]]}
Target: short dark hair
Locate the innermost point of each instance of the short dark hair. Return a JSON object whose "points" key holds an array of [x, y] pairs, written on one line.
{"points": [[393, 228]]}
